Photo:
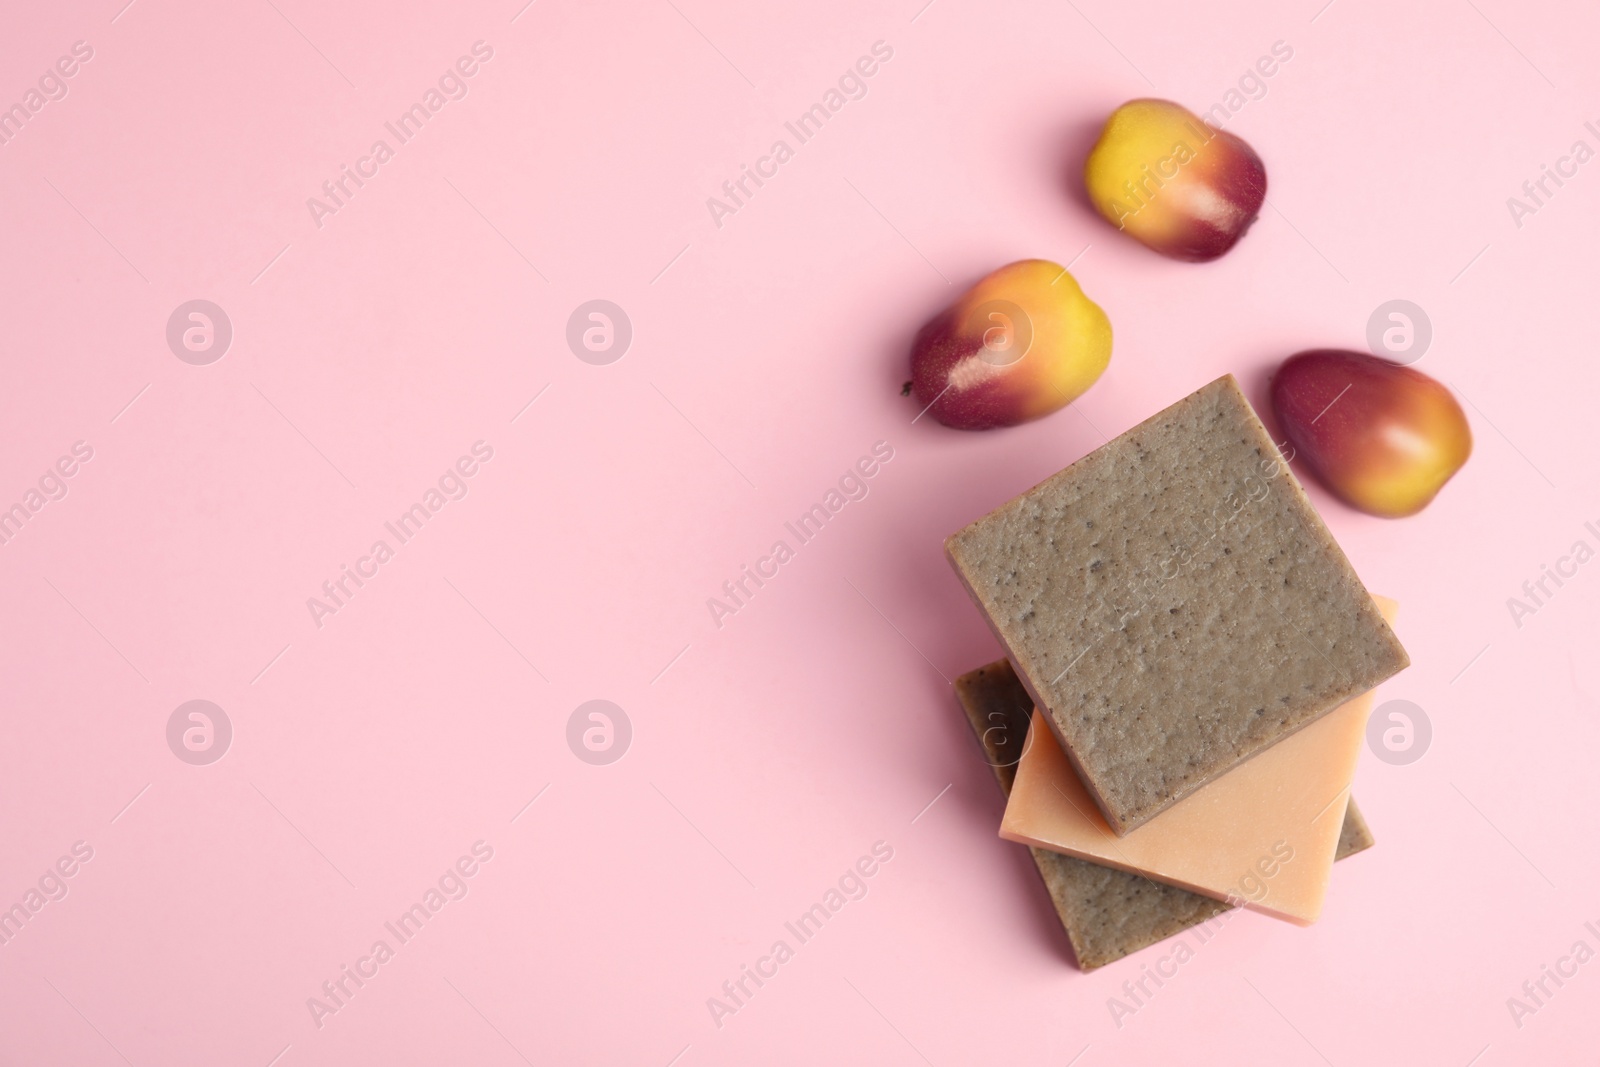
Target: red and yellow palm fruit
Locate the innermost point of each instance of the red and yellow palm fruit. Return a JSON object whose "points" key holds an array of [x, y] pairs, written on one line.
{"points": [[1382, 437], [1172, 181], [1021, 343]]}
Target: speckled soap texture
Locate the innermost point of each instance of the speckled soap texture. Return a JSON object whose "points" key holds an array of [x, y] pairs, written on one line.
{"points": [[1174, 604], [1106, 913]]}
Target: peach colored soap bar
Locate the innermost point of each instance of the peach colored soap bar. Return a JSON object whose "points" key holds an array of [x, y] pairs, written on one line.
{"points": [[1263, 835]]}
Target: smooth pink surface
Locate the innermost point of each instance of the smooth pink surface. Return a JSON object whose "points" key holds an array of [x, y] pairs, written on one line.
{"points": [[427, 712]]}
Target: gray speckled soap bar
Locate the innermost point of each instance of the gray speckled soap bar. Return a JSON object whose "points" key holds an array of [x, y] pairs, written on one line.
{"points": [[1174, 604], [1106, 913]]}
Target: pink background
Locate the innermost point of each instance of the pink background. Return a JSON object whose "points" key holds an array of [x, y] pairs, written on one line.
{"points": [[769, 754]]}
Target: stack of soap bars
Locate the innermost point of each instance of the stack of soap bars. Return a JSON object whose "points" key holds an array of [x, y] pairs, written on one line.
{"points": [[1190, 659]]}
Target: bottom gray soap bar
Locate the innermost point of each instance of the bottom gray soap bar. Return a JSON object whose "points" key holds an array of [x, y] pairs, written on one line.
{"points": [[1106, 913]]}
